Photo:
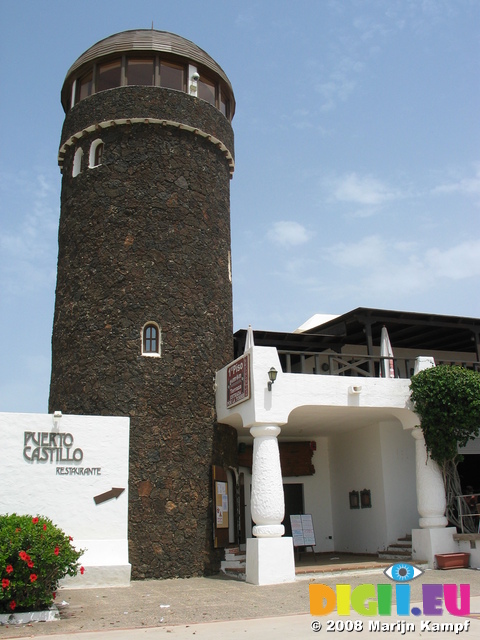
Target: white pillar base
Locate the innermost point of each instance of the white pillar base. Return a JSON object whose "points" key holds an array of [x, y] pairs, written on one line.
{"points": [[428, 542], [270, 561]]}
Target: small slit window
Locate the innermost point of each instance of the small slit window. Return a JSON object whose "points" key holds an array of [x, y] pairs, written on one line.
{"points": [[77, 162], [151, 339], [96, 153]]}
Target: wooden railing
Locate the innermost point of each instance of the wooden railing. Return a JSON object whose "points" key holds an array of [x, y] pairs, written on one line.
{"points": [[343, 364]]}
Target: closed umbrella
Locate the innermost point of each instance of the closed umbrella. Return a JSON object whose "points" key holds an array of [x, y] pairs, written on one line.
{"points": [[387, 366], [249, 339]]}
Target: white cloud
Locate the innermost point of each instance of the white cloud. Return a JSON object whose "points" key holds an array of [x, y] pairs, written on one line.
{"points": [[288, 233], [28, 249], [463, 186], [458, 262], [363, 190], [365, 253], [380, 268]]}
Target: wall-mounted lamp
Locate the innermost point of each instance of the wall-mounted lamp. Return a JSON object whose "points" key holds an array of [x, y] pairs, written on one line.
{"points": [[272, 374], [56, 417]]}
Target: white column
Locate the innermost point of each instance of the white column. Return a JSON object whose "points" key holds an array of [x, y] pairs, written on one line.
{"points": [[267, 500], [431, 501], [270, 558]]}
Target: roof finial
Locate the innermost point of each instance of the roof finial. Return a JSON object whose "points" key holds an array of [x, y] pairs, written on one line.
{"points": [[152, 25]]}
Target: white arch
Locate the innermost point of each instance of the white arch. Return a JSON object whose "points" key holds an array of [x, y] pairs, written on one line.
{"points": [[77, 162], [93, 159]]}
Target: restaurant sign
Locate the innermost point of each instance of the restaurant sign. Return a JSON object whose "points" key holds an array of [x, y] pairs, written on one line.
{"points": [[238, 381]]}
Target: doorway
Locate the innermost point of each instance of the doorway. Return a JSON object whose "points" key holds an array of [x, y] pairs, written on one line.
{"points": [[293, 504]]}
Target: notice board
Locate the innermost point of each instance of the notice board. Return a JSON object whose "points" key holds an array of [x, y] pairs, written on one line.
{"points": [[221, 504], [302, 530]]}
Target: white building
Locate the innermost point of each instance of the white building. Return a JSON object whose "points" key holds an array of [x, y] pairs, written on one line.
{"points": [[352, 455]]}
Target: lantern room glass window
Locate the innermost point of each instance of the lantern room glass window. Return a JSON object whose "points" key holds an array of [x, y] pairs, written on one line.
{"points": [[140, 71], [224, 104], [84, 86], [109, 75], [172, 76], [206, 90]]}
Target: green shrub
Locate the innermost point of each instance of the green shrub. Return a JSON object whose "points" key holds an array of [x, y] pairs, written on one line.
{"points": [[447, 400], [34, 556]]}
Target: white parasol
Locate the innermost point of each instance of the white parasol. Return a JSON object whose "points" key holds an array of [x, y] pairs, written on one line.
{"points": [[387, 367], [249, 343]]}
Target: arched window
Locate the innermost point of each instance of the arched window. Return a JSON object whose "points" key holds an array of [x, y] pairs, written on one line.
{"points": [[77, 162], [96, 153], [151, 339]]}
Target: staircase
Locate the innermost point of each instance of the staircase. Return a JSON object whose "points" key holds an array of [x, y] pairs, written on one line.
{"points": [[234, 564], [399, 550]]}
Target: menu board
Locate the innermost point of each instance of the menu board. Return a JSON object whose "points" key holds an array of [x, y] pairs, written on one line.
{"points": [[238, 381], [221, 505], [302, 531]]}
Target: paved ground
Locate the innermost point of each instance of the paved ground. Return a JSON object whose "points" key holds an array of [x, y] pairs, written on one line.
{"points": [[203, 607]]}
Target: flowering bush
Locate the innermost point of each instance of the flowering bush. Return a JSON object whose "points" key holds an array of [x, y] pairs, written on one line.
{"points": [[34, 556]]}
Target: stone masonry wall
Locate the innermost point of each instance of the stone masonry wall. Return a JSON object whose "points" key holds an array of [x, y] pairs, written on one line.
{"points": [[146, 237]]}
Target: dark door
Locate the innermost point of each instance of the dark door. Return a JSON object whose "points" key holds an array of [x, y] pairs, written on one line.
{"points": [[293, 504]]}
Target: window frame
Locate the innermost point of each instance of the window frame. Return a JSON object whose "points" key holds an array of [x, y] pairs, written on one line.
{"points": [[91, 74], [156, 352], [78, 160], [96, 153]]}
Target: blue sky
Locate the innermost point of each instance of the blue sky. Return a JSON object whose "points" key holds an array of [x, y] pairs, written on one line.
{"points": [[357, 142]]}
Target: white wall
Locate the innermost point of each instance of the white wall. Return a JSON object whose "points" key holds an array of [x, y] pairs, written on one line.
{"points": [[295, 390], [55, 468], [380, 457], [355, 465], [399, 473], [316, 493]]}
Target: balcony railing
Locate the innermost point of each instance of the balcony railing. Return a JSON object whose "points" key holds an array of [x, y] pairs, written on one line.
{"points": [[343, 364], [468, 508]]}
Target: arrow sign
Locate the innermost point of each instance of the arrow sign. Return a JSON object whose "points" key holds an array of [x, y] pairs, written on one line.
{"points": [[103, 497]]}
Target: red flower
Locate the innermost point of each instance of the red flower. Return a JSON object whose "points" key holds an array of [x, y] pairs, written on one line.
{"points": [[23, 555], [57, 551], [54, 595], [35, 520], [13, 604], [5, 583], [82, 570], [70, 538], [33, 577], [44, 527], [17, 530], [9, 568], [30, 564]]}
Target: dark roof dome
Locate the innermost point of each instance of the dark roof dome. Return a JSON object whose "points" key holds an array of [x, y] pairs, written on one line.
{"points": [[148, 40]]}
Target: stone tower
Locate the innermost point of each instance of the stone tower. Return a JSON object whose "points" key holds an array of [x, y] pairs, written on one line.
{"points": [[143, 309]]}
